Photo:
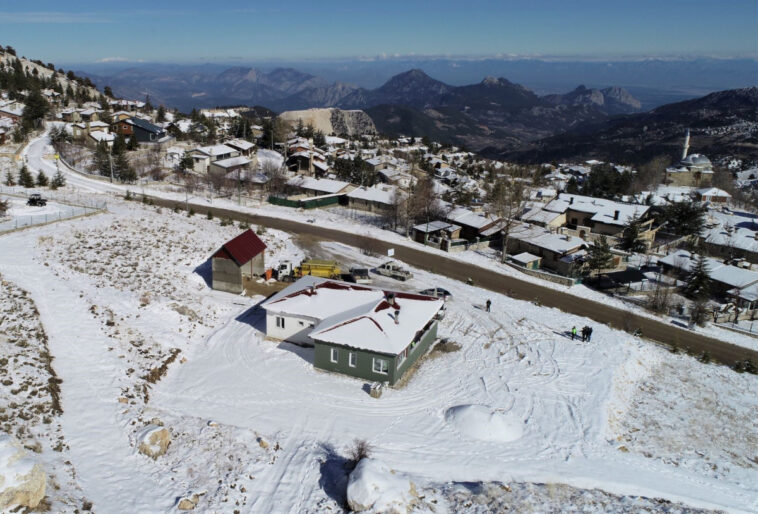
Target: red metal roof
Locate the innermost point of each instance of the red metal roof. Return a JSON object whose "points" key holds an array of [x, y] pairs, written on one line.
{"points": [[242, 248]]}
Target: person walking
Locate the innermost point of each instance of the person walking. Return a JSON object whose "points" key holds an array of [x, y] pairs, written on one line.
{"points": [[488, 304], [589, 333], [584, 333], [573, 332]]}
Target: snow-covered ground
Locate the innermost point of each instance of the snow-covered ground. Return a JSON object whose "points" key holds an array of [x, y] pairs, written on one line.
{"points": [[139, 339]]}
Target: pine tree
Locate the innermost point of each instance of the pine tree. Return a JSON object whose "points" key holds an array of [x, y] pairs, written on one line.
{"points": [[25, 178], [58, 180], [133, 144], [9, 179], [631, 241], [161, 116], [119, 145], [123, 169], [698, 281], [102, 159], [600, 256], [42, 179]]}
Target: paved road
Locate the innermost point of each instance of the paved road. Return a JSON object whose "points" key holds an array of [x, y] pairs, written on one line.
{"points": [[665, 333]]}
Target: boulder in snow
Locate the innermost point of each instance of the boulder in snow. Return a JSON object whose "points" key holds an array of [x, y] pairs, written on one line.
{"points": [[153, 440], [188, 502], [22, 480], [373, 486]]}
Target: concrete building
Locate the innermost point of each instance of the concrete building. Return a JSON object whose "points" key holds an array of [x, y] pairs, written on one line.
{"points": [[237, 261]]}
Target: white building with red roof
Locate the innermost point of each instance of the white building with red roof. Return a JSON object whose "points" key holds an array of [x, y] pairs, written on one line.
{"points": [[356, 330]]}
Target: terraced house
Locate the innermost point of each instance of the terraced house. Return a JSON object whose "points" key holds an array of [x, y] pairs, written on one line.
{"points": [[361, 331]]}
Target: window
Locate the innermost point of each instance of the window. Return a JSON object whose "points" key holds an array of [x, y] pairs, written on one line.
{"points": [[279, 322], [381, 366], [335, 354], [353, 359], [401, 357]]}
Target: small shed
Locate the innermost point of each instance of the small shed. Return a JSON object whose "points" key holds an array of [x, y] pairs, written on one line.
{"points": [[239, 259], [527, 260]]}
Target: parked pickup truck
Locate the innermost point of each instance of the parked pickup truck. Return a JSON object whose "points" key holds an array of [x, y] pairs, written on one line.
{"points": [[393, 270]]}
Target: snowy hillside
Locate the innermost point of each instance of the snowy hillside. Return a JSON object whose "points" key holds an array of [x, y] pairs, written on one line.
{"points": [[139, 342]]}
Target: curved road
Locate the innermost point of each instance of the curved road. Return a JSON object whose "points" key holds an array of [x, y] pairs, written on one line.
{"points": [[514, 287]]}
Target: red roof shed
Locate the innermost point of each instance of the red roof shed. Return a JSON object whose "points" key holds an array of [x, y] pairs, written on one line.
{"points": [[242, 248]]}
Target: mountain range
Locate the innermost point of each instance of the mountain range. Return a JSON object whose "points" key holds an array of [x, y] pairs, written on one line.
{"points": [[494, 112], [722, 123]]}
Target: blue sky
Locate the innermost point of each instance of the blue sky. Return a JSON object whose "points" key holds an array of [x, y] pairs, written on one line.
{"points": [[194, 31]]}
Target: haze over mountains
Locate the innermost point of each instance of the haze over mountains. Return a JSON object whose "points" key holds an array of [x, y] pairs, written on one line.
{"points": [[494, 115]]}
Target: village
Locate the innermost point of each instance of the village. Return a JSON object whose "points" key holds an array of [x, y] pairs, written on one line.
{"points": [[240, 367]]}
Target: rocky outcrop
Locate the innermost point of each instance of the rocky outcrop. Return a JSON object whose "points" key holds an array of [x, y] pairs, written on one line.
{"points": [[188, 502], [332, 121], [153, 440], [22, 479]]}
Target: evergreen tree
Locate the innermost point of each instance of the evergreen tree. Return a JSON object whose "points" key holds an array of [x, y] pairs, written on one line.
{"points": [[102, 159], [42, 179], [685, 218], [25, 178], [9, 179], [186, 163], [161, 116], [108, 92], [123, 169], [698, 281], [36, 107], [319, 140], [600, 256], [631, 240], [133, 144], [119, 145], [58, 180]]}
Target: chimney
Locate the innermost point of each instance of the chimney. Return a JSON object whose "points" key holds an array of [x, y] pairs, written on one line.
{"points": [[616, 215], [391, 298], [571, 200], [397, 316], [313, 290]]}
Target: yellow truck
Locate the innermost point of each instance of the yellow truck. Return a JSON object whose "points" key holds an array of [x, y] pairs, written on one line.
{"points": [[314, 267]]}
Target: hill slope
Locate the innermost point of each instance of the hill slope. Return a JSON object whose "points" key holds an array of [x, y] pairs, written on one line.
{"points": [[722, 123]]}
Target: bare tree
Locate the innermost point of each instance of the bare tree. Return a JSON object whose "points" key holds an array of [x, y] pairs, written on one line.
{"points": [[277, 178], [507, 202]]}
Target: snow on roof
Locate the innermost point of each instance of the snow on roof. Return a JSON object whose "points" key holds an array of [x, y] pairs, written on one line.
{"points": [[334, 140], [542, 238], [463, 216], [538, 215], [380, 193], [732, 276], [240, 144], [99, 135], [525, 258], [434, 226], [215, 150], [603, 210], [324, 185], [232, 161], [713, 191]]}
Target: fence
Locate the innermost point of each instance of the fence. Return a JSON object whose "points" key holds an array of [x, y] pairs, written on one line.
{"points": [[306, 203], [65, 206]]}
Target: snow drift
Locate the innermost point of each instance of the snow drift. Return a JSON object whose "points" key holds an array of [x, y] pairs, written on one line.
{"points": [[482, 422], [373, 486]]}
